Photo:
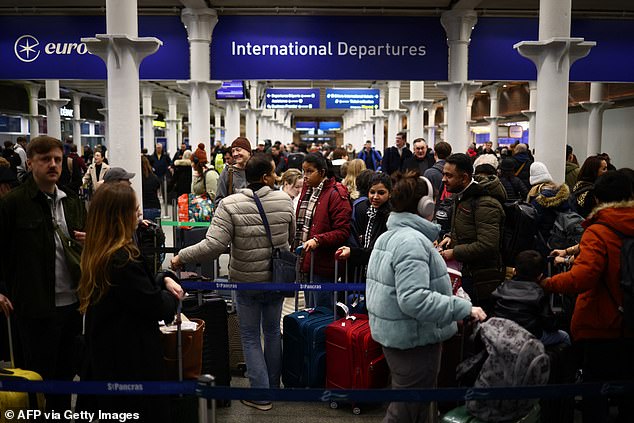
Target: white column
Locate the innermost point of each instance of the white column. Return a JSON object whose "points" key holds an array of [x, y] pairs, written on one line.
{"points": [[458, 25], [199, 24], [393, 112], [470, 122], [553, 54], [431, 125], [367, 126], [172, 123], [179, 130], [530, 114], [218, 125], [53, 103], [416, 106], [148, 118], [232, 119], [596, 106], [493, 117], [34, 115], [379, 123], [123, 51], [77, 120], [104, 112]]}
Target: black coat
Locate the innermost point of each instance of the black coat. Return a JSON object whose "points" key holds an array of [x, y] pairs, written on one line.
{"points": [[526, 304], [360, 256], [123, 337], [413, 163], [392, 161]]}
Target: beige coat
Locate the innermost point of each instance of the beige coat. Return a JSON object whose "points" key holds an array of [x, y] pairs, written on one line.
{"points": [[91, 174], [236, 222]]}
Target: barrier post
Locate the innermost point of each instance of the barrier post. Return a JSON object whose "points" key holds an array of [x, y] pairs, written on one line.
{"points": [[203, 408]]}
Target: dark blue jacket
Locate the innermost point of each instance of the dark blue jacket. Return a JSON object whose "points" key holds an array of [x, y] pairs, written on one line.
{"points": [[392, 161], [160, 165], [374, 159]]}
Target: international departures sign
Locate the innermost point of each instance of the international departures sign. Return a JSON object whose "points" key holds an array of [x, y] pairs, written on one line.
{"points": [[309, 47]]}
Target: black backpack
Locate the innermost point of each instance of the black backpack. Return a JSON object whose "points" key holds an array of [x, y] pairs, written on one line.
{"points": [[627, 277], [566, 231], [520, 230], [295, 161]]}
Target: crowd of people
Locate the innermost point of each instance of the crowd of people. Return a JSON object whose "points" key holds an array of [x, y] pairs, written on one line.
{"points": [[379, 212]]}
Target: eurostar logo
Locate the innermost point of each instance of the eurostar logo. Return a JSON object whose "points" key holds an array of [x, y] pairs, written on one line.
{"points": [[26, 48]]}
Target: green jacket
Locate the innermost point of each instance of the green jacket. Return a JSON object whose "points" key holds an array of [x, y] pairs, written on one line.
{"points": [[572, 172], [28, 261], [477, 225]]}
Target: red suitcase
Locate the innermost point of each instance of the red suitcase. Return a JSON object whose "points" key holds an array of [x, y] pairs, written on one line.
{"points": [[353, 359]]}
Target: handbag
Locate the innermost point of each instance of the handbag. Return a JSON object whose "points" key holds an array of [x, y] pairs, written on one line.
{"points": [[283, 263], [192, 352], [72, 252]]}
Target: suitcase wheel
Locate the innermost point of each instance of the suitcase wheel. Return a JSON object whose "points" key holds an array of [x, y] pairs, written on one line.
{"points": [[334, 405], [356, 410]]}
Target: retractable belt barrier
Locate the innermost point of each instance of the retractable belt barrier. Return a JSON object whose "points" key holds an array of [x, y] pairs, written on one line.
{"points": [[206, 390], [269, 286]]}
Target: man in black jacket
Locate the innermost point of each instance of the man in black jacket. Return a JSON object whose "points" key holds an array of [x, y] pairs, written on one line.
{"points": [[422, 159], [36, 220], [395, 156]]}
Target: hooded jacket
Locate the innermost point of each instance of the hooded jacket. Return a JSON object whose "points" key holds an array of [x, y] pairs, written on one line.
{"points": [[408, 294], [523, 160], [477, 223], [549, 200], [572, 171], [182, 178], [597, 269], [237, 222]]}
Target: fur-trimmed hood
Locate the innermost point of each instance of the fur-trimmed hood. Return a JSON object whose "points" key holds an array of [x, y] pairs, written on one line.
{"points": [[550, 195], [182, 162], [599, 211]]}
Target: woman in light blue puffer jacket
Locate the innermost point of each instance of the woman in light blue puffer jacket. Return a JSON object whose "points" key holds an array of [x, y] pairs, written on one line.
{"points": [[410, 304]]}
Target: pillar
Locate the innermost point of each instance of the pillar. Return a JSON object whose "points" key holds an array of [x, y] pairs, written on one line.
{"points": [[416, 106], [458, 25], [172, 122], [393, 112], [431, 125], [77, 120], [53, 103], [218, 126], [493, 117], [123, 51], [530, 114], [148, 119], [199, 24], [470, 122], [34, 115], [553, 54], [106, 121], [232, 119], [596, 106]]}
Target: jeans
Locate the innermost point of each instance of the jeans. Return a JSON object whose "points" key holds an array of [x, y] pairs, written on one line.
{"points": [[320, 298], [151, 214], [261, 309], [555, 337]]}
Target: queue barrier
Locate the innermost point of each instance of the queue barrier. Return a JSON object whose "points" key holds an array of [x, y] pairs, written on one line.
{"points": [[205, 390]]}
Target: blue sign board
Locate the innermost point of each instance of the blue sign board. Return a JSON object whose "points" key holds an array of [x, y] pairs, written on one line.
{"points": [[329, 126], [329, 47], [305, 126], [291, 98], [352, 98], [231, 90], [492, 56], [50, 47]]}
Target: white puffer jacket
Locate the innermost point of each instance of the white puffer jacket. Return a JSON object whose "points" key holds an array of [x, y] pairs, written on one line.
{"points": [[237, 222]]}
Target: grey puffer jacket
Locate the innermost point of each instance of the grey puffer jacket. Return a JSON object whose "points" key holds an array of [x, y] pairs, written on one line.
{"points": [[237, 222]]}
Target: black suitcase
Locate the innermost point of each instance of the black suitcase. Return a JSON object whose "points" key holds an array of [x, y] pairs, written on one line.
{"points": [[213, 310], [188, 237]]}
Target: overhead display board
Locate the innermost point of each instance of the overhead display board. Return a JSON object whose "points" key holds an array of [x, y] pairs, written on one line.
{"points": [[352, 98], [492, 56], [231, 90], [50, 47], [291, 98], [329, 47]]}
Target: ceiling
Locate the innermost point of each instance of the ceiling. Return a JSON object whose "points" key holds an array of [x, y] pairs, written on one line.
{"points": [[581, 8]]}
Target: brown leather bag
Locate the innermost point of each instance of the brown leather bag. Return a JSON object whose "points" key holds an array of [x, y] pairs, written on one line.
{"points": [[192, 345]]}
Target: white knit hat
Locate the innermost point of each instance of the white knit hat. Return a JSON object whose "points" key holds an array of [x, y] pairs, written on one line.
{"points": [[539, 174], [489, 159]]}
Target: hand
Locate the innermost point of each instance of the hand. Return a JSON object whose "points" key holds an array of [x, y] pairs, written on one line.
{"points": [[5, 305], [558, 253], [310, 245], [559, 260], [447, 254], [342, 253], [444, 243], [478, 314], [174, 288], [176, 263], [79, 236], [543, 282]]}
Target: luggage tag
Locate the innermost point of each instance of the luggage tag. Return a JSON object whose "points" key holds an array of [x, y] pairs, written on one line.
{"points": [[344, 311]]}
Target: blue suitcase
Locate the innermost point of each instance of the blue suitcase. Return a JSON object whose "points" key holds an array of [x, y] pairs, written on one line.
{"points": [[304, 347]]}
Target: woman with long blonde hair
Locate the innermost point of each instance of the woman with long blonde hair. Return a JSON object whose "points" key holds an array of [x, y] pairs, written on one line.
{"points": [[123, 302], [350, 181]]}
